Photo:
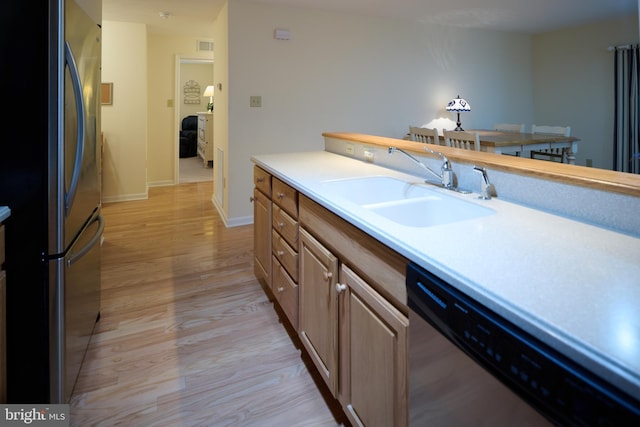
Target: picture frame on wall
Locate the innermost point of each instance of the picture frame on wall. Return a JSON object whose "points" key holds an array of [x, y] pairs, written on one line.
{"points": [[106, 93]]}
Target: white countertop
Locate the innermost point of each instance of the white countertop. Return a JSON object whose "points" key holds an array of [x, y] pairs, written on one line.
{"points": [[572, 285], [5, 212]]}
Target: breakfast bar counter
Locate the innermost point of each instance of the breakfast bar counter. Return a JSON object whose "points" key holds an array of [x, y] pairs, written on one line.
{"points": [[573, 285]]}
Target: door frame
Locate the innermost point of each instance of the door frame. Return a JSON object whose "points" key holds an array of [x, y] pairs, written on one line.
{"points": [[176, 110]]}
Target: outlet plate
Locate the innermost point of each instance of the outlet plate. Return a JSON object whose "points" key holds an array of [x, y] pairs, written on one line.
{"points": [[368, 155], [350, 149], [255, 101]]}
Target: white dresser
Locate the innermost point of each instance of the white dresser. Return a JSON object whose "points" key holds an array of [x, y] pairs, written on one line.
{"points": [[205, 137]]}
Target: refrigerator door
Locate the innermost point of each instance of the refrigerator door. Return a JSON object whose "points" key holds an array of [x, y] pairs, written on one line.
{"points": [[75, 308], [75, 178]]}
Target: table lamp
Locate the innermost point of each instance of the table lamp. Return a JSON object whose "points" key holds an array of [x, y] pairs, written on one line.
{"points": [[209, 92], [458, 104]]}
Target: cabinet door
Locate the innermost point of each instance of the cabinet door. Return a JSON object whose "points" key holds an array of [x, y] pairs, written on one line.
{"points": [[373, 355], [262, 236], [318, 307], [285, 291]]}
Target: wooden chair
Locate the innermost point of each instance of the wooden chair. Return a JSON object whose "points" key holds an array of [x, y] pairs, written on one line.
{"points": [[509, 127], [426, 135], [551, 154], [462, 139]]}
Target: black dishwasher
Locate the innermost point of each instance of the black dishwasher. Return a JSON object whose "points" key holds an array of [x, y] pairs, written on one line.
{"points": [[469, 366]]}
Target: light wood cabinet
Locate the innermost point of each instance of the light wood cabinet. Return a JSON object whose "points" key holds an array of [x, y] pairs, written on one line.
{"points": [[275, 212], [284, 248], [345, 295], [373, 365], [356, 339], [262, 242], [319, 307], [262, 225], [205, 137]]}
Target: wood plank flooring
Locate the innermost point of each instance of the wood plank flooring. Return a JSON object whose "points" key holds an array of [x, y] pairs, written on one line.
{"points": [[187, 335]]}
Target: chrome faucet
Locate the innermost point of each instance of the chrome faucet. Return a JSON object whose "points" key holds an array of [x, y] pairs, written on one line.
{"points": [[485, 185], [446, 175]]}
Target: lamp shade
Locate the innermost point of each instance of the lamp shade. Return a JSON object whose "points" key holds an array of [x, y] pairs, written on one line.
{"points": [[208, 91], [458, 104]]}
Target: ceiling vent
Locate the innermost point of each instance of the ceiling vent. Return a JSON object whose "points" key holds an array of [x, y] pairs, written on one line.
{"points": [[205, 46]]}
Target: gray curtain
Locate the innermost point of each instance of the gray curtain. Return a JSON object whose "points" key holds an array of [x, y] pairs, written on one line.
{"points": [[626, 145]]}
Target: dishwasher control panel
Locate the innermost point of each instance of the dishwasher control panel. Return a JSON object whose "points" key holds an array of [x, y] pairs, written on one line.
{"points": [[555, 385]]}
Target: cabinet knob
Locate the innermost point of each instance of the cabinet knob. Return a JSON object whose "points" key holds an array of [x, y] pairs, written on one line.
{"points": [[341, 287], [280, 253], [327, 275], [280, 195], [259, 179], [281, 225], [251, 199], [280, 289]]}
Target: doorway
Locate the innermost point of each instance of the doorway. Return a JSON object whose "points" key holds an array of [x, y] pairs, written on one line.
{"points": [[192, 77]]}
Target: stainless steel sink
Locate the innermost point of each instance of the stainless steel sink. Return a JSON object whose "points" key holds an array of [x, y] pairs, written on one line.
{"points": [[412, 204]]}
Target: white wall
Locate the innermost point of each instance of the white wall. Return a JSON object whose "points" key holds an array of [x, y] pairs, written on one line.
{"points": [[124, 123], [361, 74], [164, 123], [573, 82], [337, 73], [221, 113]]}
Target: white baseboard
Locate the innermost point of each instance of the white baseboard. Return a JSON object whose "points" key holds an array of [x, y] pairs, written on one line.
{"points": [[125, 197], [233, 222], [164, 183]]}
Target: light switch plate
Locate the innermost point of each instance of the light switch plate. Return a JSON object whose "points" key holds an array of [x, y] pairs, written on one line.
{"points": [[255, 101]]}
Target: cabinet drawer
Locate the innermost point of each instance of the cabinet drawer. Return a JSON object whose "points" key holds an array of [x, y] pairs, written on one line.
{"points": [[262, 180], [286, 293], [284, 253], [285, 197], [1, 245], [285, 225]]}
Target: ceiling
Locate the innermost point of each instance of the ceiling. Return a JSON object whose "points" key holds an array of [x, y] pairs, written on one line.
{"points": [[195, 17]]}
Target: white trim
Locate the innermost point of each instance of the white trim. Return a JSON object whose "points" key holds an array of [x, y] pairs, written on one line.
{"points": [[176, 110], [164, 183], [125, 198], [233, 222]]}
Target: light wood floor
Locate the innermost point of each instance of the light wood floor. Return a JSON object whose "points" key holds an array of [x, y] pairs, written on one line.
{"points": [[187, 336]]}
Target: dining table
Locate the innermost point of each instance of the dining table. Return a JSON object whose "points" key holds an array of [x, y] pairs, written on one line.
{"points": [[502, 142]]}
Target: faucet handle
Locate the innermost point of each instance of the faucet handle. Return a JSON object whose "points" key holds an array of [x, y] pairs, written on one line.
{"points": [[485, 185]]}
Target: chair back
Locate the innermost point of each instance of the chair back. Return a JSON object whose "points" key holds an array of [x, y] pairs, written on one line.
{"points": [[559, 154], [509, 127], [425, 135], [190, 123], [462, 139], [553, 130]]}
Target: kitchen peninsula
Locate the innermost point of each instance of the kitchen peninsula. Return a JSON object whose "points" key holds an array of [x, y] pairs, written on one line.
{"points": [[565, 275]]}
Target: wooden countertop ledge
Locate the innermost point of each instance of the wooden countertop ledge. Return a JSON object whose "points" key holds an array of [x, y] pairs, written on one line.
{"points": [[601, 179]]}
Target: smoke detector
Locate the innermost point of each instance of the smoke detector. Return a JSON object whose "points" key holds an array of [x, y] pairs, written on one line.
{"points": [[164, 15]]}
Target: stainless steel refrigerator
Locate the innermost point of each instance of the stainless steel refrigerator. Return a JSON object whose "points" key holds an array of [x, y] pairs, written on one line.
{"points": [[50, 178]]}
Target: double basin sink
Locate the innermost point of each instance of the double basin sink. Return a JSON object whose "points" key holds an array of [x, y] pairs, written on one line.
{"points": [[406, 203]]}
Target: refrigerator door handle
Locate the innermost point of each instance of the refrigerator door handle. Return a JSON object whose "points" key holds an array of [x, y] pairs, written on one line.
{"points": [[77, 90], [94, 240]]}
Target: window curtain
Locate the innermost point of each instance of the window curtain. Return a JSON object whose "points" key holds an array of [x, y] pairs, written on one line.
{"points": [[626, 145]]}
